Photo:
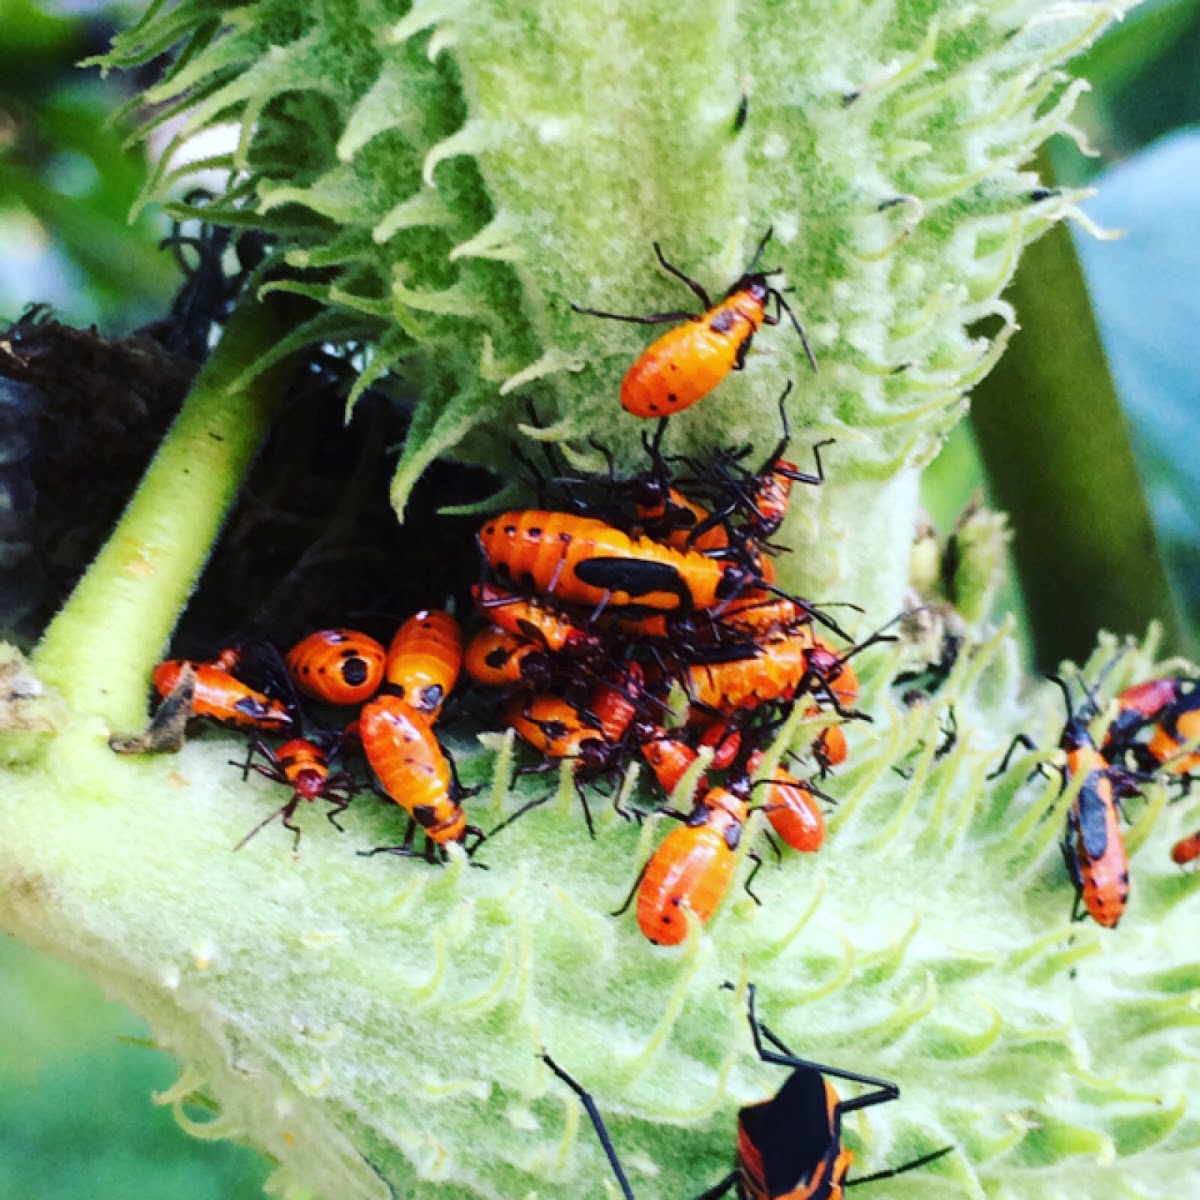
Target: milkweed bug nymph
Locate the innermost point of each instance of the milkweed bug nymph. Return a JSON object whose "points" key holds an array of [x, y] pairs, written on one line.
{"points": [[686, 363]]}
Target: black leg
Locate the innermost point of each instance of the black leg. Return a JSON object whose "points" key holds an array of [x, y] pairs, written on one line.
{"points": [[722, 1188], [637, 883], [696, 289], [908, 1166], [782, 1056], [597, 1124], [667, 318], [1022, 739]]}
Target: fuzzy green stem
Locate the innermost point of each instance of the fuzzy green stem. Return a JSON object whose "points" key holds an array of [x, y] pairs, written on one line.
{"points": [[101, 648], [854, 542]]}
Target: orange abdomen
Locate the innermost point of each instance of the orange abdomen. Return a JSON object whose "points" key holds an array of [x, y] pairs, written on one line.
{"points": [[424, 660], [669, 759], [693, 864], [1186, 850], [771, 674], [339, 666], [551, 725], [829, 747], [305, 766], [1165, 746], [1104, 880], [791, 808], [411, 767], [689, 361], [497, 658]]}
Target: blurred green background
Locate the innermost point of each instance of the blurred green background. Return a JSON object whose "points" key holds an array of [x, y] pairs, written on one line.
{"points": [[75, 1115]]}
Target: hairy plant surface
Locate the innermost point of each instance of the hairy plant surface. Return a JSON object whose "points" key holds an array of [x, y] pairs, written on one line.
{"points": [[443, 179]]}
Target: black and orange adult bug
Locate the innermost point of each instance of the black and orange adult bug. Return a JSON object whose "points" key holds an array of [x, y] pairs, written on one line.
{"points": [[790, 1146], [423, 661], [303, 766], [686, 363], [1170, 710], [1093, 848], [225, 698], [339, 666]]}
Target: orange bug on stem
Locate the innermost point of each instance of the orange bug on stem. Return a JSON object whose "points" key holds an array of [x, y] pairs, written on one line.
{"points": [[303, 766], [686, 363], [339, 666], [424, 660]]}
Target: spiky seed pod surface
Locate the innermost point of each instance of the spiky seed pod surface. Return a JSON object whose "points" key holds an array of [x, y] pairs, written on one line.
{"points": [[447, 176], [373, 1024]]}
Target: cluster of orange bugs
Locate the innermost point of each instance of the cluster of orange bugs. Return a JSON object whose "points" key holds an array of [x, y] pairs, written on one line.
{"points": [[640, 619], [1155, 722], [397, 695]]}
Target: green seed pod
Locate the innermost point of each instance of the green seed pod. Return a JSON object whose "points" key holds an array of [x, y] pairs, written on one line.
{"points": [[444, 179]]}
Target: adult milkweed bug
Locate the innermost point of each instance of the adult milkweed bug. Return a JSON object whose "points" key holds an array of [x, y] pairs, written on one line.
{"points": [[339, 666], [424, 660], [582, 560], [790, 1146], [1093, 848], [414, 771], [1170, 709], [303, 766], [224, 698], [1186, 850], [686, 363]]}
